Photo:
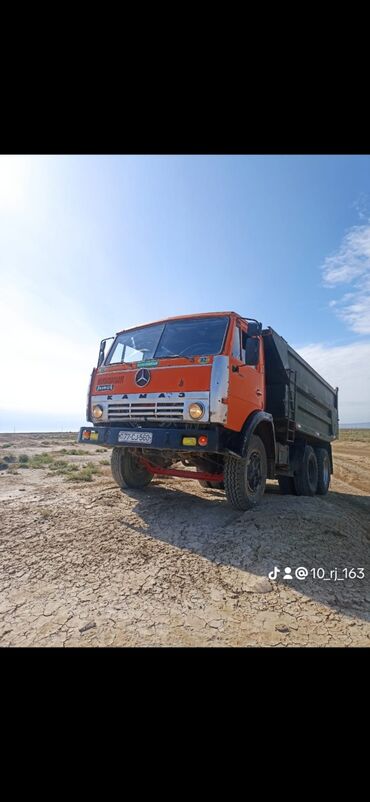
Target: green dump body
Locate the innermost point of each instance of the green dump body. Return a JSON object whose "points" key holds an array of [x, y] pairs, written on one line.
{"points": [[299, 399]]}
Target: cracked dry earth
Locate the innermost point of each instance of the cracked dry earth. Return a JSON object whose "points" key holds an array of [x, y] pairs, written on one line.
{"points": [[84, 564]]}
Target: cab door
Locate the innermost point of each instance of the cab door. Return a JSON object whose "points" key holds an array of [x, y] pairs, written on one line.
{"points": [[246, 382]]}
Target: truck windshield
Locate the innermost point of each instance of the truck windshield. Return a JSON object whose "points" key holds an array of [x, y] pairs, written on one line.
{"points": [[188, 337]]}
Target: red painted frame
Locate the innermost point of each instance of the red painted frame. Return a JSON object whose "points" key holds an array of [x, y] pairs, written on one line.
{"points": [[182, 474]]}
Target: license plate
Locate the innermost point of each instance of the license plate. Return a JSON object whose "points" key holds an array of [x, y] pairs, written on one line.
{"points": [[135, 437]]}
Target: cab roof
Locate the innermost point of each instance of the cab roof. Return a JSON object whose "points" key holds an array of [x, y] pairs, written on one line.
{"points": [[179, 317]]}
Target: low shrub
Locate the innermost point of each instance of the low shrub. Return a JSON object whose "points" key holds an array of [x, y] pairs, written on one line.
{"points": [[40, 460], [61, 467], [85, 474], [9, 458]]}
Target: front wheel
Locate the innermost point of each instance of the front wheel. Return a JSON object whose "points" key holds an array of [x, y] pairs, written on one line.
{"points": [[127, 470], [245, 478]]}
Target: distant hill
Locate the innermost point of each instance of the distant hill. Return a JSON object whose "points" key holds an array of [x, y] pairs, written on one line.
{"points": [[354, 425]]}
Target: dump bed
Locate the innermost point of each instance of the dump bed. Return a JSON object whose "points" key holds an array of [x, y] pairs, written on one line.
{"points": [[300, 401]]}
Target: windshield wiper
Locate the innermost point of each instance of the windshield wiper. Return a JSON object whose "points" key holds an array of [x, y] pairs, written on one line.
{"points": [[175, 356]]}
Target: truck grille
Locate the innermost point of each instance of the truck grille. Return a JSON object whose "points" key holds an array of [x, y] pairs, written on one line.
{"points": [[149, 410]]}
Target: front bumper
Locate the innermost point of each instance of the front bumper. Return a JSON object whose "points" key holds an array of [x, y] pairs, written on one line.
{"points": [[163, 439]]}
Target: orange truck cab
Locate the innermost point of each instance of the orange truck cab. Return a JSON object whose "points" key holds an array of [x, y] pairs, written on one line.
{"points": [[216, 393]]}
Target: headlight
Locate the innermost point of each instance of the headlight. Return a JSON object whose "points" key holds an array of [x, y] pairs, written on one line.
{"points": [[97, 411], [196, 411]]}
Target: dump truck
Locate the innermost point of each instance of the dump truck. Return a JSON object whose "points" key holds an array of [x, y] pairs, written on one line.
{"points": [[213, 397]]}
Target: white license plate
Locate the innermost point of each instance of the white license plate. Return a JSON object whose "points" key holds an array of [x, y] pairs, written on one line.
{"points": [[135, 437]]}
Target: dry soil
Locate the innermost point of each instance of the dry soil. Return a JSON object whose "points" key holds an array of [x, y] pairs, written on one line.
{"points": [[85, 564]]}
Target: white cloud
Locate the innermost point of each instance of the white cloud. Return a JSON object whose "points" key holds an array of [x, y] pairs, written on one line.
{"points": [[44, 369], [14, 174], [361, 204], [350, 264], [346, 367]]}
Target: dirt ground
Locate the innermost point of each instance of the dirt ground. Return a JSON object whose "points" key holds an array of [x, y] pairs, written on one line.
{"points": [[84, 564]]}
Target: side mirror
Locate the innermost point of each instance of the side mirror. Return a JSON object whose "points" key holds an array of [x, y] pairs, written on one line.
{"points": [[254, 328], [252, 351], [101, 353], [101, 356]]}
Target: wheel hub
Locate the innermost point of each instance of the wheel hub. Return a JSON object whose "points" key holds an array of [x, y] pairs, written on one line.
{"points": [[254, 472]]}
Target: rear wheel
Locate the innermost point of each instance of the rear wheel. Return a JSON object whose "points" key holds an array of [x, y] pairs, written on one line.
{"points": [[306, 478], [245, 478], [323, 465], [127, 470], [286, 485]]}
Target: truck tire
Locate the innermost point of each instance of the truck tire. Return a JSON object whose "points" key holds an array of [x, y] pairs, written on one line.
{"points": [[127, 471], [323, 465], [306, 478], [286, 485], [245, 478]]}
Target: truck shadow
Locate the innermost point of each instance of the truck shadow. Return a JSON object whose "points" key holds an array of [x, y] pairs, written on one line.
{"points": [[331, 532]]}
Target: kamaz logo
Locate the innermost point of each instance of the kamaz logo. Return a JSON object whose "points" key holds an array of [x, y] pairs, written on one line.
{"points": [[142, 377]]}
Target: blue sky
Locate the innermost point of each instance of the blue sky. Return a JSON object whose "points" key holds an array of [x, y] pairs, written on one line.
{"points": [[89, 245]]}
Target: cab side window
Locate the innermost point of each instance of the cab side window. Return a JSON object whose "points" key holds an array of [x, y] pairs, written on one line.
{"points": [[236, 343], [244, 344], [250, 350]]}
